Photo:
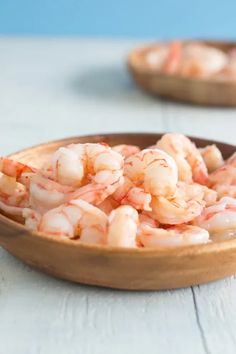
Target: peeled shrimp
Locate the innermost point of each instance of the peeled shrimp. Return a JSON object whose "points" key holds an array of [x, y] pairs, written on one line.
{"points": [[76, 163], [157, 57], [173, 60], [14, 168], [32, 218], [218, 217], [128, 194], [223, 180], [122, 228], [126, 150], [13, 195], [191, 166], [187, 203], [212, 157], [202, 61], [45, 194], [181, 235], [153, 170], [76, 219]]}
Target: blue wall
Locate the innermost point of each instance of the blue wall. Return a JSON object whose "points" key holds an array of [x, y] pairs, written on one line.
{"points": [[131, 18]]}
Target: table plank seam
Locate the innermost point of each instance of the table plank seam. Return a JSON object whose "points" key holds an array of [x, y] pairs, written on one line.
{"points": [[199, 324]]}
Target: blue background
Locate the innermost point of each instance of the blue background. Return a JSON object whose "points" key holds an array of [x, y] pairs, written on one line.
{"points": [[124, 18]]}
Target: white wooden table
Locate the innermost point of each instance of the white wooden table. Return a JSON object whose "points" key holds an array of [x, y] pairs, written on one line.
{"points": [[53, 88]]}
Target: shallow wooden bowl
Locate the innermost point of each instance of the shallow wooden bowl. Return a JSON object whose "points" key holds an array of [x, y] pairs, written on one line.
{"points": [[192, 90], [120, 268]]}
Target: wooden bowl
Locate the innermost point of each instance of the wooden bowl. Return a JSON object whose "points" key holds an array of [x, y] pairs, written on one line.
{"points": [[210, 92], [119, 268]]}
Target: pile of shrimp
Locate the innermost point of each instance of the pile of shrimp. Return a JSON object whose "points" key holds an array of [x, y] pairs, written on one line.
{"points": [[167, 195], [192, 59]]}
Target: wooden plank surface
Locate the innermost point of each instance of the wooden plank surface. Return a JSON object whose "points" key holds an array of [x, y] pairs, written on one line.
{"points": [[53, 88]]}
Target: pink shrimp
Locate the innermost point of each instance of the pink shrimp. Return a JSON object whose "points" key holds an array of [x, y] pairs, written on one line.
{"points": [[212, 157], [187, 203], [126, 150], [181, 235], [14, 168], [191, 166], [122, 227], [223, 180], [173, 60], [76, 219], [218, 217], [153, 170]]}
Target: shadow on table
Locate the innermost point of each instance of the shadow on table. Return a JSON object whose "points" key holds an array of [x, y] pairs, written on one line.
{"points": [[111, 84]]}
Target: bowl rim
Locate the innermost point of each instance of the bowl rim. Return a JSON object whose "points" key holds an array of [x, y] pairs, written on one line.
{"points": [[144, 70], [187, 250]]}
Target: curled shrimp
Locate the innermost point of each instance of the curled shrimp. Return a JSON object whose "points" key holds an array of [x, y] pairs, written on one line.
{"points": [[212, 157], [173, 60], [157, 56], [78, 163], [122, 227], [126, 150], [218, 217], [223, 180], [12, 193], [187, 203], [191, 166], [154, 170], [45, 194], [181, 235], [128, 194], [202, 61], [32, 218], [14, 168], [146, 218], [76, 219], [13, 196]]}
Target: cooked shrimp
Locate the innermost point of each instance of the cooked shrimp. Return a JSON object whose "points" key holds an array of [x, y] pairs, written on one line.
{"points": [[127, 193], [32, 219], [191, 166], [14, 168], [212, 157], [126, 150], [76, 219], [137, 198], [173, 60], [202, 61], [223, 180], [187, 203], [122, 228], [46, 194], [11, 210], [145, 218], [13, 193], [181, 235], [156, 57], [229, 71], [75, 163], [218, 217], [154, 170], [225, 190]]}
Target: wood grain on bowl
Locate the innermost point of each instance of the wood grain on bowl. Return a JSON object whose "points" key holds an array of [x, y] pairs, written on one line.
{"points": [[210, 92], [140, 269]]}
